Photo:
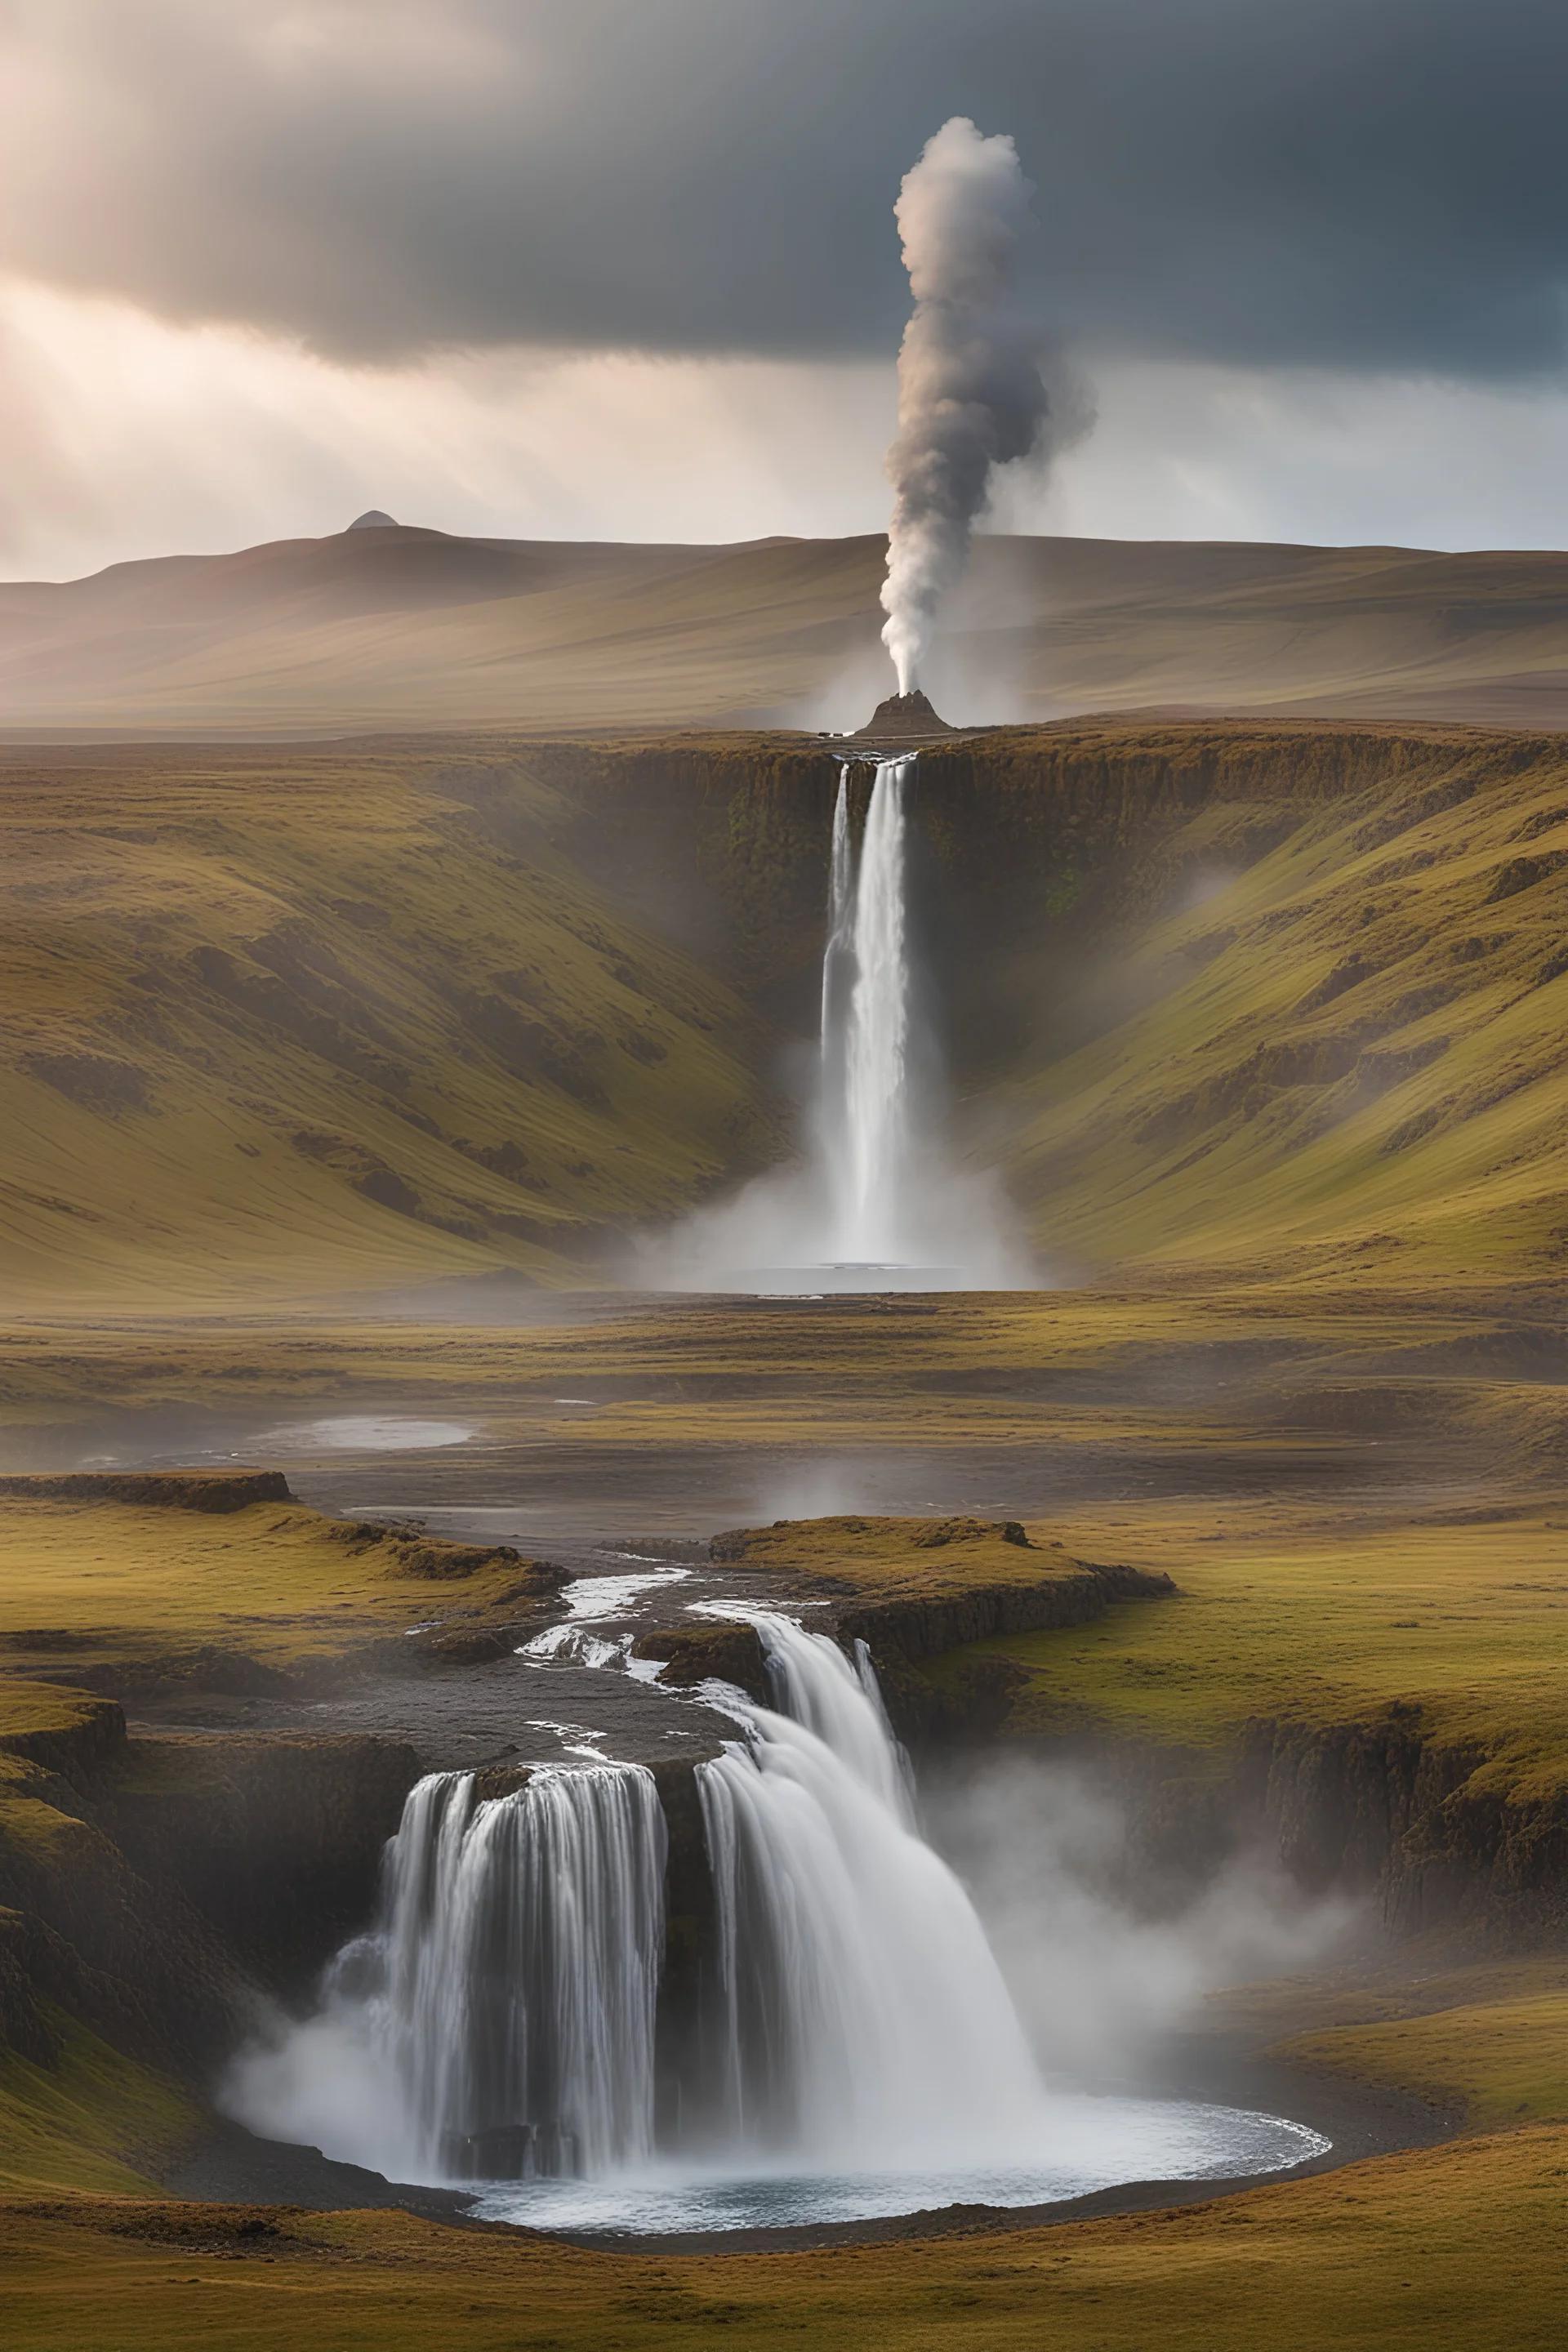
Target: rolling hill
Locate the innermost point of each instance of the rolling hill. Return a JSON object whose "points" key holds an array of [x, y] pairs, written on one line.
{"points": [[402, 629]]}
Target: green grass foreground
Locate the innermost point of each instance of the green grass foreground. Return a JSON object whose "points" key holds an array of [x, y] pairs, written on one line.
{"points": [[1463, 2246]]}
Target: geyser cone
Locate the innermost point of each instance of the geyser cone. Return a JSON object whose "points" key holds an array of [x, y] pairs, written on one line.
{"points": [[903, 719]]}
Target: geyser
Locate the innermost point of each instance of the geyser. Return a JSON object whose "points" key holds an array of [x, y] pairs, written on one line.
{"points": [[971, 396]]}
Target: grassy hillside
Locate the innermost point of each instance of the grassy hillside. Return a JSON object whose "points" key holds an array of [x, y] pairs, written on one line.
{"points": [[306, 1022], [411, 628], [1266, 996], [1453, 1631]]}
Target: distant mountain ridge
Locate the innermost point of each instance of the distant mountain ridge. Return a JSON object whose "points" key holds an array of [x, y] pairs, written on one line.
{"points": [[405, 629]]}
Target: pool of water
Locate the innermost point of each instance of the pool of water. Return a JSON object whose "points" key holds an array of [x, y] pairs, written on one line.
{"points": [[1084, 2144], [364, 1433]]}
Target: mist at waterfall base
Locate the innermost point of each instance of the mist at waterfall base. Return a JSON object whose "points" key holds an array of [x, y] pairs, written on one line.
{"points": [[857, 2051], [1109, 1954], [880, 1198]]}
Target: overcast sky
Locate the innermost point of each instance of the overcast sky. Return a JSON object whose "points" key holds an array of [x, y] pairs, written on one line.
{"points": [[628, 268]]}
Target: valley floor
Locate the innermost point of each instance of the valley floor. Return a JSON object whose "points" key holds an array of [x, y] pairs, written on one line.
{"points": [[1362, 1501]]}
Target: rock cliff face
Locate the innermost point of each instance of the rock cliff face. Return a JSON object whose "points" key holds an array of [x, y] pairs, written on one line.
{"points": [[698, 1654], [1386, 1808], [1034, 836], [218, 1491], [275, 1841], [80, 1928], [150, 1887]]}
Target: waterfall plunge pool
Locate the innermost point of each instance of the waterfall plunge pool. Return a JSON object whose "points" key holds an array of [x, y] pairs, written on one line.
{"points": [[1083, 2144]]}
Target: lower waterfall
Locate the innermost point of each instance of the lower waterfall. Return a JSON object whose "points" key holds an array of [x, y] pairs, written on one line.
{"points": [[841, 2041], [862, 2014]]}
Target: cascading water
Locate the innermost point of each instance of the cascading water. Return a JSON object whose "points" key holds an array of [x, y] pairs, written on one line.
{"points": [[880, 1200], [856, 2053], [524, 1942], [863, 2013], [497, 2022]]}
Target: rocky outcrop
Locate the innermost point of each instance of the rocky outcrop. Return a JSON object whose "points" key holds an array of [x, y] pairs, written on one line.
{"points": [[692, 1655], [74, 1735], [88, 1933], [916, 1628]]}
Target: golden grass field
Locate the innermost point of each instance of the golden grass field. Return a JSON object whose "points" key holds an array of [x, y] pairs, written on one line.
{"points": [[1287, 1623], [278, 1583], [1457, 2245]]}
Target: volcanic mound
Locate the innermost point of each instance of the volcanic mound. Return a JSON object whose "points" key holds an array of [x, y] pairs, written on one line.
{"points": [[903, 719]]}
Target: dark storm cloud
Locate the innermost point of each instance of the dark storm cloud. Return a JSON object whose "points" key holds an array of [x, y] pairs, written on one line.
{"points": [[1362, 183]]}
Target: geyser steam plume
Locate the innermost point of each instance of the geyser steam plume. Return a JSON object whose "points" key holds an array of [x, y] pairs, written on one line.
{"points": [[971, 395]]}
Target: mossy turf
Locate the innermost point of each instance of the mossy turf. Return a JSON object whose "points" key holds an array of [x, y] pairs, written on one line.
{"points": [[1501, 2061], [896, 1559], [1455, 2246], [1461, 1627], [92, 1585]]}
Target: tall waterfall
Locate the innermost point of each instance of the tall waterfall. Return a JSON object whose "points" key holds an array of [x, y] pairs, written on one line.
{"points": [[867, 1110], [882, 1197], [863, 2016]]}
